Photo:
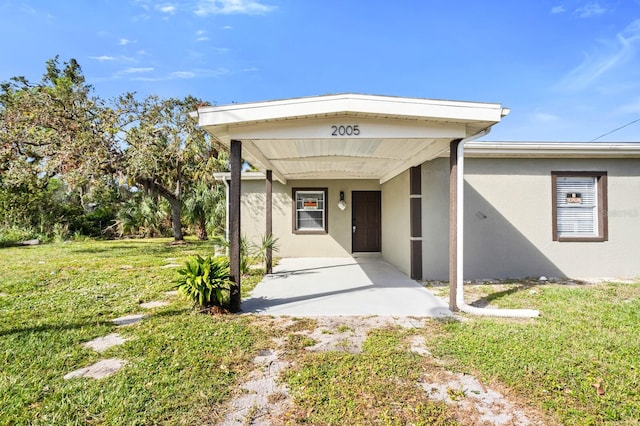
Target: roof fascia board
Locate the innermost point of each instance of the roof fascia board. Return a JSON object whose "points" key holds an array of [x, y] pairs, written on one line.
{"points": [[552, 149], [225, 176], [345, 104]]}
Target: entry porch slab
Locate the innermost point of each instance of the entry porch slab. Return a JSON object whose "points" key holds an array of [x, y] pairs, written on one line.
{"points": [[309, 287]]}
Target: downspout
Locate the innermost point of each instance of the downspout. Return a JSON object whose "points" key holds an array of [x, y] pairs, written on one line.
{"points": [[494, 312]]}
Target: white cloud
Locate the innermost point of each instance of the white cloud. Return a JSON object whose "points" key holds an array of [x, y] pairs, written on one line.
{"points": [[167, 8], [136, 70], [610, 55], [103, 58], [182, 74], [227, 27], [228, 7], [558, 9], [201, 35], [589, 10], [196, 73], [544, 117], [124, 42], [633, 107]]}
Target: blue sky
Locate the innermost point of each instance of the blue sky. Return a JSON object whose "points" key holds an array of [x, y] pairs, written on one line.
{"points": [[568, 69]]}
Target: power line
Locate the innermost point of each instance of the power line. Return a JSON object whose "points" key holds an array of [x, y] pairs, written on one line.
{"points": [[615, 130]]}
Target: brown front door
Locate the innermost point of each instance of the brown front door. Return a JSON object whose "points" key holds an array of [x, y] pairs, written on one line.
{"points": [[366, 220]]}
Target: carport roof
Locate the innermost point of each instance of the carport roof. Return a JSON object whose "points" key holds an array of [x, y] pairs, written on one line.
{"points": [[346, 136]]}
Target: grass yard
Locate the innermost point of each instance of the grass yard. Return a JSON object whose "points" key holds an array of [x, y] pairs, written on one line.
{"points": [[580, 360], [181, 365], [577, 364]]}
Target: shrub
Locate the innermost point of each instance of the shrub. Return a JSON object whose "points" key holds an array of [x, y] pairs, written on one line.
{"points": [[206, 281], [247, 251]]}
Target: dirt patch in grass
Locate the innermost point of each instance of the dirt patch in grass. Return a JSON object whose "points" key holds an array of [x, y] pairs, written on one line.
{"points": [[365, 370]]}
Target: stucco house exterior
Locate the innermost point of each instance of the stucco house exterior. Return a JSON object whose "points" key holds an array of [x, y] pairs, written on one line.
{"points": [[343, 175]]}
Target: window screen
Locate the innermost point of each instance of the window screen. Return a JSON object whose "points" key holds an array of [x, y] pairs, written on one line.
{"points": [[310, 210], [579, 206]]}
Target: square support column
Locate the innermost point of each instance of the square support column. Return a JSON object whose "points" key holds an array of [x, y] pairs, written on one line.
{"points": [[415, 219], [269, 218], [453, 224], [234, 224]]}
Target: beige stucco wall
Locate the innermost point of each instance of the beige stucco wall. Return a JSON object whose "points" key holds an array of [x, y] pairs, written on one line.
{"points": [[395, 222], [508, 222], [435, 219], [337, 243]]}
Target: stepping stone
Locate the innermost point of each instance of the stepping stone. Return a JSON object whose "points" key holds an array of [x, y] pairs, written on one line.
{"points": [[155, 304], [100, 369], [101, 344], [128, 319], [171, 265], [171, 293]]}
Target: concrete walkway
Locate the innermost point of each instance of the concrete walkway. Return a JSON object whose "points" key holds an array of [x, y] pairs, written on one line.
{"points": [[341, 287]]}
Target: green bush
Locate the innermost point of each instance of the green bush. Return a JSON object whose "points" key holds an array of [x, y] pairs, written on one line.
{"points": [[206, 281]]}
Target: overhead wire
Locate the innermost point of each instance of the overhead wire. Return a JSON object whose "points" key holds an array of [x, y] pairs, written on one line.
{"points": [[615, 130]]}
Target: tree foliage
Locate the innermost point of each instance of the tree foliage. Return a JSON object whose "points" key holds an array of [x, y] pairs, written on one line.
{"points": [[54, 128], [57, 139], [165, 152]]}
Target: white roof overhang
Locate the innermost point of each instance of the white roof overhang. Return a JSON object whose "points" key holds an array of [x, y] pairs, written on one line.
{"points": [[346, 136], [485, 149]]}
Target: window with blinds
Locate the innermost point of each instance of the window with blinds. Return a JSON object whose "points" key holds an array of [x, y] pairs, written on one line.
{"points": [[310, 213], [579, 206]]}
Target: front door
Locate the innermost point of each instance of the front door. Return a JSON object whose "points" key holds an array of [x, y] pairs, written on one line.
{"points": [[366, 221]]}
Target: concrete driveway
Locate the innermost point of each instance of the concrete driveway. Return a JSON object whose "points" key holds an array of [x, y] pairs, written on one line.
{"points": [[341, 287]]}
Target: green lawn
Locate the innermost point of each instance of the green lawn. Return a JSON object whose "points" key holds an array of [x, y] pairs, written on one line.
{"points": [[54, 297], [578, 362]]}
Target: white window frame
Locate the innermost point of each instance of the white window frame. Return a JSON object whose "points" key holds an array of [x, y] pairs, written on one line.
{"points": [[579, 206], [319, 195]]}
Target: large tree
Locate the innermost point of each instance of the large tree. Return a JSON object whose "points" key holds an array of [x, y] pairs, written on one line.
{"points": [[52, 129], [57, 128], [164, 151]]}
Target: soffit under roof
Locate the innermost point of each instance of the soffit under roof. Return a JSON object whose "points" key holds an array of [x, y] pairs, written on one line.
{"points": [[345, 136]]}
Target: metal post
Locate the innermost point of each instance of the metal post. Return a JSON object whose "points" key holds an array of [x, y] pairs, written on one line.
{"points": [[269, 230], [234, 224]]}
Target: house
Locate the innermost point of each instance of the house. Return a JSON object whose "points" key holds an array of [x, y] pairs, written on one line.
{"points": [[404, 177]]}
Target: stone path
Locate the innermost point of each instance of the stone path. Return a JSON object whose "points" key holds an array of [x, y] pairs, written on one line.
{"points": [[101, 344], [107, 367], [100, 369], [128, 319]]}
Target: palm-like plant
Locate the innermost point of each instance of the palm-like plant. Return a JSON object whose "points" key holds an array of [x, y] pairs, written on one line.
{"points": [[141, 215], [204, 208], [205, 281], [247, 251], [268, 242]]}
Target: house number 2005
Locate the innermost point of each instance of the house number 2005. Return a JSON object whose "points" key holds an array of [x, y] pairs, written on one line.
{"points": [[345, 130]]}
